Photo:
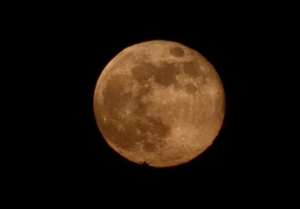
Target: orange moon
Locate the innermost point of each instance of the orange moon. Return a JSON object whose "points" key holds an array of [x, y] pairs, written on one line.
{"points": [[159, 103]]}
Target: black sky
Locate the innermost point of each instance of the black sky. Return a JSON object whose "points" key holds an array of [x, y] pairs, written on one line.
{"points": [[90, 47], [73, 51]]}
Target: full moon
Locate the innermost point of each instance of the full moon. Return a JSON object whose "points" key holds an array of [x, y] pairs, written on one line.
{"points": [[159, 103]]}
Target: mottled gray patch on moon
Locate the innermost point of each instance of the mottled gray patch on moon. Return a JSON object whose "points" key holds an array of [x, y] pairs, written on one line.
{"points": [[114, 92], [177, 52], [190, 88], [144, 129], [191, 69], [149, 147], [142, 72], [164, 75]]}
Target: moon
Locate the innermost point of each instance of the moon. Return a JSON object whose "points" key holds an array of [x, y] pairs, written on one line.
{"points": [[159, 103]]}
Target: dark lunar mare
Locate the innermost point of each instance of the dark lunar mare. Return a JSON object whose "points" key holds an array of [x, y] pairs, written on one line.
{"points": [[137, 130], [177, 52], [141, 128]]}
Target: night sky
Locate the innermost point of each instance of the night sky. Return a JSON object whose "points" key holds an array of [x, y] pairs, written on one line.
{"points": [[73, 156]]}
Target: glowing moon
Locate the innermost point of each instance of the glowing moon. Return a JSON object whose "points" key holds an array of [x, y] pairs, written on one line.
{"points": [[159, 102]]}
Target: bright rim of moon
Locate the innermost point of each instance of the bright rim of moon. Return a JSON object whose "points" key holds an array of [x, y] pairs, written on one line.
{"points": [[160, 103]]}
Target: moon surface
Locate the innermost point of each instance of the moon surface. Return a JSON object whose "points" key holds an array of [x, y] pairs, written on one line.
{"points": [[159, 103]]}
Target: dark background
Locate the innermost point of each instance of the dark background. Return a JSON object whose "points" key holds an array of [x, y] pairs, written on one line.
{"points": [[72, 47], [236, 153]]}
